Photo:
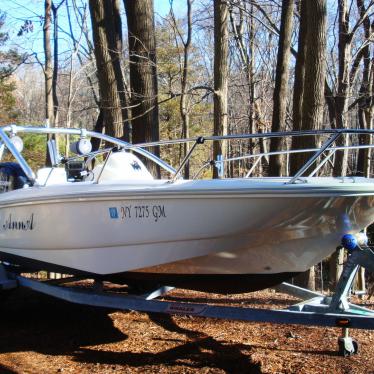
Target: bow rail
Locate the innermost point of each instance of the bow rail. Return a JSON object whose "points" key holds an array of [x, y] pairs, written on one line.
{"points": [[327, 149]]}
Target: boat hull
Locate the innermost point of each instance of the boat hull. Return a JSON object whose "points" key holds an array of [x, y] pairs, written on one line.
{"points": [[191, 235]]}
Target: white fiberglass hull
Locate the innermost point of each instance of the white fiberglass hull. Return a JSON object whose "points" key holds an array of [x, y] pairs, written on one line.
{"points": [[186, 228]]}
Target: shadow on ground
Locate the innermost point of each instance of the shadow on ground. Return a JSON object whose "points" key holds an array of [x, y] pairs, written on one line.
{"points": [[35, 322], [38, 323], [200, 351], [4, 370]]}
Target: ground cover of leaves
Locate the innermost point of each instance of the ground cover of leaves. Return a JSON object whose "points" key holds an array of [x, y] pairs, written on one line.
{"points": [[40, 334]]}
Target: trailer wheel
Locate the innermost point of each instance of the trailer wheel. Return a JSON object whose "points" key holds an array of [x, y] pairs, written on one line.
{"points": [[347, 346]]}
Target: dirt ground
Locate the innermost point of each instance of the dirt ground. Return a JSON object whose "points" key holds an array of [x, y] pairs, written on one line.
{"points": [[40, 334]]}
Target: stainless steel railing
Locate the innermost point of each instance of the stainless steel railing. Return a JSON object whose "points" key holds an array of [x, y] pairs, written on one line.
{"points": [[327, 146]]}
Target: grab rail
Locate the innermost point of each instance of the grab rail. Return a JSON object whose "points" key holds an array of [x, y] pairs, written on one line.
{"points": [[55, 130], [307, 165], [17, 155]]}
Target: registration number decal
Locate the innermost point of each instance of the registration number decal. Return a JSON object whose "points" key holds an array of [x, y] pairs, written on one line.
{"points": [[138, 212]]}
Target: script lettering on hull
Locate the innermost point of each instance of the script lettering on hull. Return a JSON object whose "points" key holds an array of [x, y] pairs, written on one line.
{"points": [[15, 224]]}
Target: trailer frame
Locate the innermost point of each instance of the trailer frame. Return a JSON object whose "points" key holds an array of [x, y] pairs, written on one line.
{"points": [[315, 309]]}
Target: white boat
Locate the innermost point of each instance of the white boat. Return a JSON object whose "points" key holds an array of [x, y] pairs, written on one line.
{"points": [[116, 222]]}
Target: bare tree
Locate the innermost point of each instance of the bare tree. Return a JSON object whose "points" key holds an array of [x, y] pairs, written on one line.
{"points": [[281, 86], [55, 9], [298, 92], [115, 42], [184, 107], [365, 100], [365, 104], [348, 67], [221, 36], [110, 102], [240, 21], [341, 99], [143, 72], [313, 95], [48, 69], [183, 102]]}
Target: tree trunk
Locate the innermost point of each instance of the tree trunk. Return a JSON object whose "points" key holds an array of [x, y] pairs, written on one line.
{"points": [[252, 84], [281, 87], [221, 36], [48, 70], [55, 62], [50, 79], [113, 26], [314, 79], [365, 115], [331, 105], [341, 99], [247, 59], [298, 92], [365, 97], [103, 38], [143, 72], [314, 83], [183, 106], [307, 279], [99, 126], [336, 262]]}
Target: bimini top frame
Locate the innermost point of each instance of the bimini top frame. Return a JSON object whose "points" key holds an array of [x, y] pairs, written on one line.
{"points": [[8, 131]]}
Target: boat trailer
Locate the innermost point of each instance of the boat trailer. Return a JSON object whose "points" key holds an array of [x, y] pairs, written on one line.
{"points": [[315, 310]]}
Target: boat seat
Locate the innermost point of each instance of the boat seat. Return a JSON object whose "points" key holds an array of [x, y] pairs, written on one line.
{"points": [[121, 166], [12, 177], [50, 176]]}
